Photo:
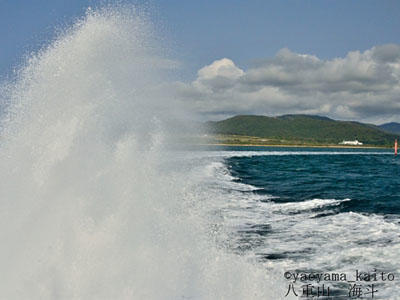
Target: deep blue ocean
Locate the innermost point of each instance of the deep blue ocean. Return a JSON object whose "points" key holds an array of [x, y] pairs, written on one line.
{"points": [[370, 178], [312, 210]]}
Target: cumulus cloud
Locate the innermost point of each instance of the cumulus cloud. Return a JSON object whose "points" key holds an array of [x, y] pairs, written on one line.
{"points": [[362, 86], [220, 75]]}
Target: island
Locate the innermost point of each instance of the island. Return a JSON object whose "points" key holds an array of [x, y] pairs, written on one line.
{"points": [[296, 130]]}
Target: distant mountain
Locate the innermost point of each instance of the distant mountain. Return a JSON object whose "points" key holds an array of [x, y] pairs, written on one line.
{"points": [[392, 127], [302, 128]]}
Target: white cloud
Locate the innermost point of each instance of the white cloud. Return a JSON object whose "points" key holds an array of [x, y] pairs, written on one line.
{"points": [[220, 68], [220, 75], [361, 85]]}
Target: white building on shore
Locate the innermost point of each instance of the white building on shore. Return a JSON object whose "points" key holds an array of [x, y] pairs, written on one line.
{"points": [[352, 143]]}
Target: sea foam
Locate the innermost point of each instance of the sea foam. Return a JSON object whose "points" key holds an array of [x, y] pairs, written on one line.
{"points": [[88, 209]]}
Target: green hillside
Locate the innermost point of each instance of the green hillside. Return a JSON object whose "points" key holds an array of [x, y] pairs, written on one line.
{"points": [[392, 127], [304, 129]]}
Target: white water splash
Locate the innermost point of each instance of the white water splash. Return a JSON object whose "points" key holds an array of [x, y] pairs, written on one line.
{"points": [[88, 209]]}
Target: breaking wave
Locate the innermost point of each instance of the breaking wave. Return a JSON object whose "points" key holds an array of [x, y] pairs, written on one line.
{"points": [[92, 204]]}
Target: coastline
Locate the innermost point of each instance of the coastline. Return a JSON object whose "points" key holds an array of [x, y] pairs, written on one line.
{"points": [[296, 146]]}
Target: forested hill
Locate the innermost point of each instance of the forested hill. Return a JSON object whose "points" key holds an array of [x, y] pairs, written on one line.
{"points": [[303, 128], [392, 127]]}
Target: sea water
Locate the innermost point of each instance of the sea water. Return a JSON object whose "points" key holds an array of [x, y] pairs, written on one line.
{"points": [[328, 213], [94, 204]]}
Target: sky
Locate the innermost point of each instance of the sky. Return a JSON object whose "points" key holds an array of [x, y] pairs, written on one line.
{"points": [[335, 58]]}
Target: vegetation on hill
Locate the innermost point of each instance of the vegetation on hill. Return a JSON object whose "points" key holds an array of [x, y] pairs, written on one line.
{"points": [[392, 127], [303, 129]]}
